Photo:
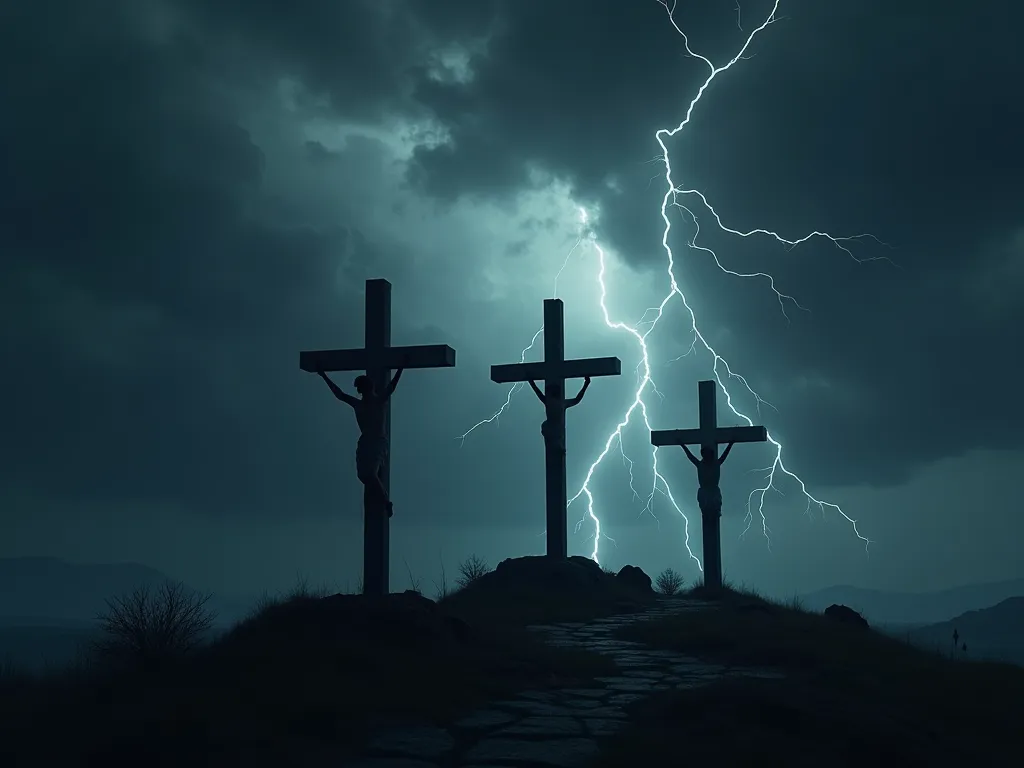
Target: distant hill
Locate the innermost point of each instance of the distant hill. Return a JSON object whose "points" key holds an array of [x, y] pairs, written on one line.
{"points": [[46, 590], [990, 633], [48, 606], [895, 608]]}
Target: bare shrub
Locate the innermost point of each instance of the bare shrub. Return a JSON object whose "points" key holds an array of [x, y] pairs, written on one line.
{"points": [[669, 582], [471, 570], [149, 625], [414, 583]]}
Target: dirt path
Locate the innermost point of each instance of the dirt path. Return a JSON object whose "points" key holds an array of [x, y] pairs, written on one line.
{"points": [[555, 728]]}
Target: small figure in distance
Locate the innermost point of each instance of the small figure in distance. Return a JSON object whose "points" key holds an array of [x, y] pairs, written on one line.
{"points": [[709, 474], [545, 427], [372, 448]]}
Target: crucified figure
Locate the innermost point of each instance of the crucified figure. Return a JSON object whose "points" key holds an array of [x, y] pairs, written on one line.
{"points": [[709, 473], [545, 427], [372, 448]]}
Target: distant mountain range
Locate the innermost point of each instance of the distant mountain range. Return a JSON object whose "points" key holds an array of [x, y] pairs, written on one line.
{"points": [[48, 609], [990, 633], [911, 608]]}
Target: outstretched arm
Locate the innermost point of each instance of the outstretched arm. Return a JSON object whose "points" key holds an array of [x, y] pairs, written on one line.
{"points": [[579, 395], [725, 453], [391, 387], [691, 457], [345, 398], [537, 392]]}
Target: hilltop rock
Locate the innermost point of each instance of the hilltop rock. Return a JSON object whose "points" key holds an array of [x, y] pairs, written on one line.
{"points": [[846, 615], [633, 577], [574, 573], [540, 575]]}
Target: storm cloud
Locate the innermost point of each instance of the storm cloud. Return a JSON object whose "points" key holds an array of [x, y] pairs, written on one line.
{"points": [[193, 191]]}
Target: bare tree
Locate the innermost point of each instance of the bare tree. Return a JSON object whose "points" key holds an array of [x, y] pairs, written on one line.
{"points": [[147, 625], [669, 582], [471, 570]]}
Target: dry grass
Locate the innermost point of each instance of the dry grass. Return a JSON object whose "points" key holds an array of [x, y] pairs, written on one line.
{"points": [[850, 697]]}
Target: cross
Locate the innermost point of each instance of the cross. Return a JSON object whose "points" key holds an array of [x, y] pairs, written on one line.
{"points": [[710, 435], [554, 371], [377, 358]]}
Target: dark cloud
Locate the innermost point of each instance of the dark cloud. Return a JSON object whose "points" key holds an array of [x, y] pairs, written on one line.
{"points": [[158, 289], [147, 276], [902, 124]]}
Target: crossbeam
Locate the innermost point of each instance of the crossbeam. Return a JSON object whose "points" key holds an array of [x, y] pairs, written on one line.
{"points": [[416, 356], [722, 436], [567, 369]]}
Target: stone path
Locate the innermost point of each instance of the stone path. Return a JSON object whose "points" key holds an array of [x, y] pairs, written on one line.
{"points": [[560, 728]]}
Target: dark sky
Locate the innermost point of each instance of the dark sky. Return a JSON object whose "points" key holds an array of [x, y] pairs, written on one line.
{"points": [[193, 191]]}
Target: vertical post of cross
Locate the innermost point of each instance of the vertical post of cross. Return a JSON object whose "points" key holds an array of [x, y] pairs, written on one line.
{"points": [[554, 394], [376, 525], [707, 404]]}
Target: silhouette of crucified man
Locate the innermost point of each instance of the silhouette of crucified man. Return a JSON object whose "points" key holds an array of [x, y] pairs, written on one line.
{"points": [[557, 441], [709, 473], [372, 448]]}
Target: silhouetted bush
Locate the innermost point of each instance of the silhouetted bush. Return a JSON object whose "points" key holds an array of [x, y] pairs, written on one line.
{"points": [[669, 582], [470, 570], [147, 626]]}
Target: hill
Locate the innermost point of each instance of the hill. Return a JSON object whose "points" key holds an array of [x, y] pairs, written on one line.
{"points": [[304, 680], [836, 694], [881, 607], [728, 677], [995, 633]]}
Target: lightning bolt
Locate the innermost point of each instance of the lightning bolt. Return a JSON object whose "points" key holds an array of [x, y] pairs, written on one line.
{"points": [[721, 369], [495, 417]]}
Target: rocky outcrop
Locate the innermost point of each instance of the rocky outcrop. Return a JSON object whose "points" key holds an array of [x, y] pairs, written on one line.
{"points": [[846, 615], [634, 578]]}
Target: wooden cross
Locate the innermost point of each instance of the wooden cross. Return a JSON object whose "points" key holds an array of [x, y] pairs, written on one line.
{"points": [[377, 358], [554, 371], [709, 434]]}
